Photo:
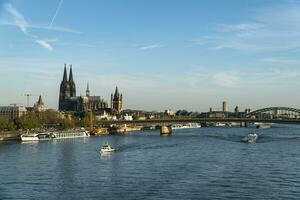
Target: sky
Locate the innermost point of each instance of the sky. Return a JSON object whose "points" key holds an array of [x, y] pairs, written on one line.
{"points": [[162, 54]]}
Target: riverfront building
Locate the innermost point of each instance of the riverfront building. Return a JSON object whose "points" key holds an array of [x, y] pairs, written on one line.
{"points": [[225, 106], [224, 113], [12, 112], [68, 101]]}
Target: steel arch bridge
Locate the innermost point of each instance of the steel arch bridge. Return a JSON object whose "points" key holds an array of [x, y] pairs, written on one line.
{"points": [[275, 111]]}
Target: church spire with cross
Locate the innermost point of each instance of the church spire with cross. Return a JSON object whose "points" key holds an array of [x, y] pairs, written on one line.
{"points": [[116, 101], [87, 90]]}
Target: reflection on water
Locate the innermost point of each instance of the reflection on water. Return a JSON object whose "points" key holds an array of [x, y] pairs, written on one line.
{"points": [[106, 156], [29, 142], [205, 163]]}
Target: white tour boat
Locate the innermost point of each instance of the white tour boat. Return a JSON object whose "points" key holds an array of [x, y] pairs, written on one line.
{"points": [[106, 148], [250, 138], [54, 135], [70, 134], [29, 137], [186, 126]]}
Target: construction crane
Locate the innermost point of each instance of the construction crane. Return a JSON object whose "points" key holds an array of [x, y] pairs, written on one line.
{"points": [[29, 95]]}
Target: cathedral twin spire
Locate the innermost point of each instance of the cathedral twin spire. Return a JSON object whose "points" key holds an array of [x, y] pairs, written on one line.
{"points": [[65, 77], [67, 87], [68, 92], [71, 75]]}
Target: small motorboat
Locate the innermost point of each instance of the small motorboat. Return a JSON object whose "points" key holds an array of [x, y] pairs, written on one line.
{"points": [[250, 138], [106, 148]]}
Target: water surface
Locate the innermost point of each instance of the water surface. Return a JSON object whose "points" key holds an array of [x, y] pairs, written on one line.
{"points": [[205, 163]]}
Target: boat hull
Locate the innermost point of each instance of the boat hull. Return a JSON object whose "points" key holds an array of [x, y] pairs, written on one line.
{"points": [[107, 151], [51, 136], [69, 135], [27, 138]]}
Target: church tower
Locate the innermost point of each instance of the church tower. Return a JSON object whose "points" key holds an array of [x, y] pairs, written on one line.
{"points": [[87, 92], [116, 101], [67, 90], [72, 84], [39, 105]]}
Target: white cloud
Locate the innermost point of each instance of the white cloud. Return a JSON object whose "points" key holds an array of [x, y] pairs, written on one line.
{"points": [[226, 79], [46, 43], [41, 27], [56, 28], [153, 46], [239, 27], [271, 29], [56, 13], [280, 60], [19, 20], [86, 45]]}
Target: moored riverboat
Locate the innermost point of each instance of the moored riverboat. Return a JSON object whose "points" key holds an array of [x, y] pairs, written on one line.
{"points": [[29, 137], [70, 134], [186, 126], [54, 135]]}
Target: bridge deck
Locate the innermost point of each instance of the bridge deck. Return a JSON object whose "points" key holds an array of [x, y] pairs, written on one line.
{"points": [[200, 120]]}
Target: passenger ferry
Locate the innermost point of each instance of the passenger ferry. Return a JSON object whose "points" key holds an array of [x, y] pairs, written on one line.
{"points": [[70, 134], [185, 126], [54, 135], [45, 136]]}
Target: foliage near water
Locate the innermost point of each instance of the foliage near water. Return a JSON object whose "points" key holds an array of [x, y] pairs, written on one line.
{"points": [[38, 120], [6, 124]]}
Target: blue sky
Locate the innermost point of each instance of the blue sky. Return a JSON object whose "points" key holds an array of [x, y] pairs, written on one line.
{"points": [[161, 54]]}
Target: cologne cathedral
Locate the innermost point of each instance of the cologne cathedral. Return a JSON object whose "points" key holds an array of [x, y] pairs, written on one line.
{"points": [[68, 101]]}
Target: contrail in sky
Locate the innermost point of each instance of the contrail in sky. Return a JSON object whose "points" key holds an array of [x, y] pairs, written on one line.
{"points": [[56, 13]]}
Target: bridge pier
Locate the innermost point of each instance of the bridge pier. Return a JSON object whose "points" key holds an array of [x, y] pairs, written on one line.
{"points": [[166, 130], [243, 124]]}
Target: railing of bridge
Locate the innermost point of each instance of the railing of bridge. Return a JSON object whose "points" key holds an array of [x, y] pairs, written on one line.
{"points": [[199, 120], [274, 110]]}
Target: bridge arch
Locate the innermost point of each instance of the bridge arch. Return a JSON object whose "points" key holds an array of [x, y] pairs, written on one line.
{"points": [[275, 111]]}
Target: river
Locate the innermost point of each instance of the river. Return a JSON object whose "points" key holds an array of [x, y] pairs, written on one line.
{"points": [[205, 163]]}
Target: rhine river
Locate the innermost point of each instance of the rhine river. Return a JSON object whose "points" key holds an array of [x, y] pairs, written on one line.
{"points": [[205, 163]]}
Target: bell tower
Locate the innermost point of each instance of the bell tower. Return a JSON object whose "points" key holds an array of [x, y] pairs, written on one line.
{"points": [[116, 101]]}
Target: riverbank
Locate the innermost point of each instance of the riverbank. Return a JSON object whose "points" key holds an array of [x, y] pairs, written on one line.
{"points": [[9, 135], [15, 135], [123, 129]]}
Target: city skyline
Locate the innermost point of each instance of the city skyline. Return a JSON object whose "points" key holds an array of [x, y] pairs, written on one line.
{"points": [[161, 54]]}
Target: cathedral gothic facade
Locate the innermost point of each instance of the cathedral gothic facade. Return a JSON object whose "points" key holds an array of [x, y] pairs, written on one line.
{"points": [[69, 102]]}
